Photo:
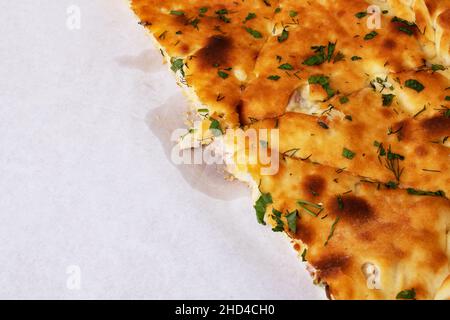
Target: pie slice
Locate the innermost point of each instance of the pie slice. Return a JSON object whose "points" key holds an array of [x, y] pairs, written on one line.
{"points": [[350, 102]]}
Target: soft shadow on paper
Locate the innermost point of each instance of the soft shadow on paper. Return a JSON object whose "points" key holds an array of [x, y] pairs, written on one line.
{"points": [[146, 61], [208, 179]]}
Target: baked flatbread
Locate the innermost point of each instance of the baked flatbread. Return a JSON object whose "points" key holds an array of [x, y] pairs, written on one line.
{"points": [[359, 92]]}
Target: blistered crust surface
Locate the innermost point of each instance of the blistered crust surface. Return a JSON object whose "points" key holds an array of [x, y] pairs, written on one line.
{"points": [[363, 117], [404, 236]]}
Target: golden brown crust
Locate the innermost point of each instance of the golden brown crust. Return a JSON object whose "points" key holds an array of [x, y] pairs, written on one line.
{"points": [[364, 58], [211, 37], [377, 225], [313, 70], [423, 161]]}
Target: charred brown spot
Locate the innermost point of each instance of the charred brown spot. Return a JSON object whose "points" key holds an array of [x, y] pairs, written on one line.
{"points": [[421, 151], [386, 113], [328, 292], [180, 20], [240, 112], [184, 48], [444, 19], [437, 126], [215, 53], [341, 13], [352, 208], [367, 236], [304, 233], [389, 44], [314, 185], [332, 264]]}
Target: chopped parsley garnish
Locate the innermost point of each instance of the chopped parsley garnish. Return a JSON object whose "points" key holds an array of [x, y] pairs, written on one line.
{"points": [[370, 35], [392, 156], [355, 58], [177, 12], [361, 14], [278, 10], [405, 26], [406, 30], [195, 22], [254, 33], [447, 98], [215, 127], [344, 100], [381, 151], [324, 82], [414, 84], [261, 205], [222, 74], [306, 205], [331, 48], [406, 22], [293, 13], [203, 10], [305, 251], [273, 77], [407, 294], [437, 67], [333, 228], [292, 221], [177, 65], [392, 160], [315, 60], [417, 192], [346, 153], [283, 36], [222, 14], [387, 99], [339, 57], [286, 66], [250, 16], [276, 215], [391, 185], [320, 56], [447, 113]]}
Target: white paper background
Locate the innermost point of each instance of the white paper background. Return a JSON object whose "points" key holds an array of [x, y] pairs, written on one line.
{"points": [[85, 177]]}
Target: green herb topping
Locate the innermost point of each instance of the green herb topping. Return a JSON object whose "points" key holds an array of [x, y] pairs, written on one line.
{"points": [[407, 294], [346, 153], [414, 84], [254, 33], [261, 205]]}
